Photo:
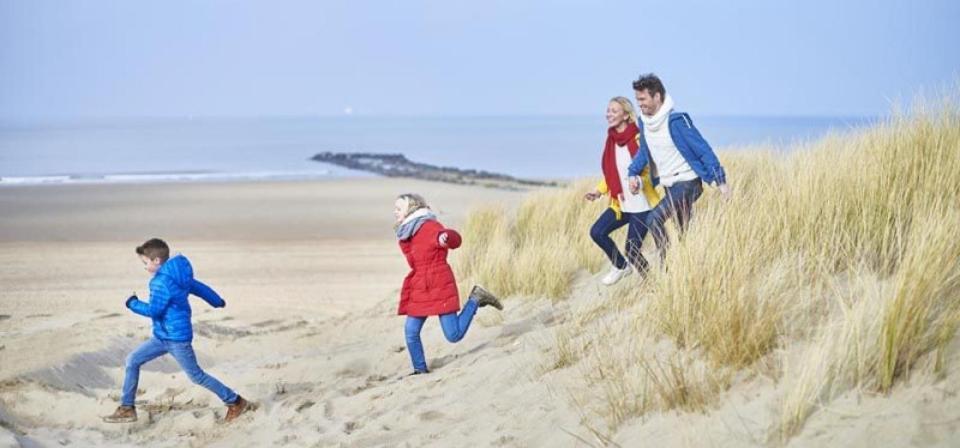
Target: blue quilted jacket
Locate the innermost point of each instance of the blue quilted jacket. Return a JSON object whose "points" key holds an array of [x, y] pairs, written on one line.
{"points": [[691, 145], [168, 305]]}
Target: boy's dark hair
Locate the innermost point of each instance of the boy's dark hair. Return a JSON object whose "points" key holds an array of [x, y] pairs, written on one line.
{"points": [[652, 84], [154, 248]]}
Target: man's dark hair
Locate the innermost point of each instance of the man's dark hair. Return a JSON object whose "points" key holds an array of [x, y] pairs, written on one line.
{"points": [[154, 248], [652, 84]]}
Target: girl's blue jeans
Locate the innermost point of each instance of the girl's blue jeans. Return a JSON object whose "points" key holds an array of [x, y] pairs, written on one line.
{"points": [[454, 326], [607, 223]]}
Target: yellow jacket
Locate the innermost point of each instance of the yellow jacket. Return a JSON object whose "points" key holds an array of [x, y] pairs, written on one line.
{"points": [[646, 184]]}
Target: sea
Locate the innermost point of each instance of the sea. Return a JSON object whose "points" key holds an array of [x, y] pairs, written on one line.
{"points": [[128, 150]]}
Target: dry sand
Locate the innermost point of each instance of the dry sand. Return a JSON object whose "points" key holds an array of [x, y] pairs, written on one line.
{"points": [[310, 272]]}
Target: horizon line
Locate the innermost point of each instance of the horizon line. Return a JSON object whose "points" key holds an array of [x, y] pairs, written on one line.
{"points": [[121, 118]]}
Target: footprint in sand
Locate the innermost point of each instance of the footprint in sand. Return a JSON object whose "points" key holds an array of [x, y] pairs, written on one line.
{"points": [[369, 382], [305, 405], [431, 416], [328, 410], [277, 326], [266, 323], [354, 369], [220, 332], [350, 427]]}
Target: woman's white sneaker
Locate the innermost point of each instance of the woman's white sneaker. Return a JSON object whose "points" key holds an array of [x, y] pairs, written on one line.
{"points": [[616, 274]]}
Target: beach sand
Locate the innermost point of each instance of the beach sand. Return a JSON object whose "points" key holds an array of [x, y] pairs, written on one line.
{"points": [[304, 267], [310, 272]]}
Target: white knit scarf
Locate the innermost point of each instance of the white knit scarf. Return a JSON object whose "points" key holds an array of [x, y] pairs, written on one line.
{"points": [[655, 122]]}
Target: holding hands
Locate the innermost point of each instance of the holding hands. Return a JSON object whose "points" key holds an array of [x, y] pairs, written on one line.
{"points": [[635, 184]]}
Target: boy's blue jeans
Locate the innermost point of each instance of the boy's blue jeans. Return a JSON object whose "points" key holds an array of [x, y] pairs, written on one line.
{"points": [[607, 223], [454, 328], [183, 353]]}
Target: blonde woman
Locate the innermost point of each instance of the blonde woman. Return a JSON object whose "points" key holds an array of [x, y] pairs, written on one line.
{"points": [[626, 207], [430, 288]]}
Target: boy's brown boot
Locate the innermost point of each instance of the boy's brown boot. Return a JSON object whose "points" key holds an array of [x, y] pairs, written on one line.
{"points": [[123, 414], [236, 409]]}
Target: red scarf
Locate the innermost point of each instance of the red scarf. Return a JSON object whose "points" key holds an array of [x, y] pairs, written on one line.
{"points": [[626, 138]]}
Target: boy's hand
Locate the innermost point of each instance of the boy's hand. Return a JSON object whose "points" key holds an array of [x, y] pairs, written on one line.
{"points": [[443, 239], [131, 299], [635, 184], [592, 196]]}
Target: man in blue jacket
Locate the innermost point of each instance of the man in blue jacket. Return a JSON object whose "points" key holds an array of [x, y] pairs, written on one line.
{"points": [[680, 158], [169, 309]]}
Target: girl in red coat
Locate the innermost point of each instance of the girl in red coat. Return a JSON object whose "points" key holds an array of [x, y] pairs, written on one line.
{"points": [[430, 289]]}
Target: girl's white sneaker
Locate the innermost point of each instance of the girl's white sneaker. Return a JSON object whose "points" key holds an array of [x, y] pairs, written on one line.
{"points": [[616, 274]]}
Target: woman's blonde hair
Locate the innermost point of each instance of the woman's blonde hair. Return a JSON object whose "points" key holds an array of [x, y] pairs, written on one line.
{"points": [[414, 202], [627, 106]]}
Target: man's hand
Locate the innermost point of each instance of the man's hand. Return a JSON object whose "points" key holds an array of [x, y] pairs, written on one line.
{"points": [[443, 239], [592, 196], [725, 191], [635, 184]]}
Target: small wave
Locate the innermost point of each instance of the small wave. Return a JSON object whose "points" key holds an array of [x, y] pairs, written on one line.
{"points": [[80, 179], [34, 180]]}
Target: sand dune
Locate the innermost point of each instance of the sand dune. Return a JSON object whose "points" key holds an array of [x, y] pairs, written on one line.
{"points": [[310, 334]]}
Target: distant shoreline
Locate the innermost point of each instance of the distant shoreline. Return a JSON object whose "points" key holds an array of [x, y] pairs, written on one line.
{"points": [[535, 147], [166, 177]]}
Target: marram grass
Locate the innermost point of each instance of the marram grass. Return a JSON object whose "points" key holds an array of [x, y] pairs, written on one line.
{"points": [[848, 247]]}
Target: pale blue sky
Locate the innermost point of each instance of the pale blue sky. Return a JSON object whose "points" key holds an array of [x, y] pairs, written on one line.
{"points": [[494, 57]]}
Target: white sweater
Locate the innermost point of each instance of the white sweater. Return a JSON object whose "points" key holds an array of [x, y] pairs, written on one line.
{"points": [[631, 203], [671, 166]]}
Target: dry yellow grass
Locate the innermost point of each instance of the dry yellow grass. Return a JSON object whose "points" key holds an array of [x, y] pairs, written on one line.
{"points": [[537, 251], [846, 249]]}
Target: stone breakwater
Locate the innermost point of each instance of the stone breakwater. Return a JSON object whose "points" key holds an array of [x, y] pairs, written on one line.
{"points": [[397, 165]]}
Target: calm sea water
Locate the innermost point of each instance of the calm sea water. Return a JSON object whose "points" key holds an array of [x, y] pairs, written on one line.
{"points": [[280, 148]]}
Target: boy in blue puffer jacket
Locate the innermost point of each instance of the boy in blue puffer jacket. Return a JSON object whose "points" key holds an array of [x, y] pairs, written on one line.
{"points": [[169, 309]]}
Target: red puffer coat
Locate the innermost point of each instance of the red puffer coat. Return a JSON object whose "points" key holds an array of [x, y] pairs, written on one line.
{"points": [[430, 288]]}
